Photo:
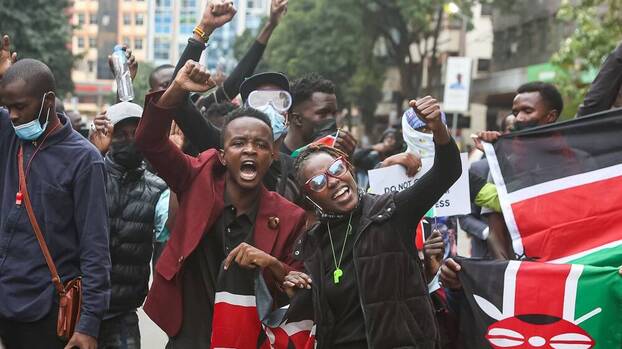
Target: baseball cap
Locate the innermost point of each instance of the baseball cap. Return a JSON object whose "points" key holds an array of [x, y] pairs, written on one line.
{"points": [[251, 84], [122, 111]]}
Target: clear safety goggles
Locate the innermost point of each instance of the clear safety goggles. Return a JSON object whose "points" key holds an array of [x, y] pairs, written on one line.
{"points": [[280, 100]]}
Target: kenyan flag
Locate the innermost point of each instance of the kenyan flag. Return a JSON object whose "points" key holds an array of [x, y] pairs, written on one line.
{"points": [[512, 304], [560, 188]]}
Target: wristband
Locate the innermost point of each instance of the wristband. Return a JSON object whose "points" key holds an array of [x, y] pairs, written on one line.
{"points": [[198, 31]]}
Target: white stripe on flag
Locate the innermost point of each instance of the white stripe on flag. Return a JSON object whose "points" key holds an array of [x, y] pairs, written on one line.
{"points": [[569, 259], [291, 328], [235, 299], [565, 183], [506, 205], [509, 288], [570, 292]]}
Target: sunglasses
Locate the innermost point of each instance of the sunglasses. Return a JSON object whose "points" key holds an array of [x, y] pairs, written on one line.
{"points": [[319, 182], [280, 100]]}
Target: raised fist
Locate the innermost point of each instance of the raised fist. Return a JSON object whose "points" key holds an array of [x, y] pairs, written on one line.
{"points": [[429, 111], [216, 14], [193, 77]]}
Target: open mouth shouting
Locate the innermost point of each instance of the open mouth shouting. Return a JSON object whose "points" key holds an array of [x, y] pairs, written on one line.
{"points": [[248, 170]]}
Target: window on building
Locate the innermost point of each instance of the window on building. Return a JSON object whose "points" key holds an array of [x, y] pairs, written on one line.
{"points": [[80, 42], [138, 44], [92, 42], [93, 18], [163, 3], [91, 66], [161, 49], [483, 65], [139, 19], [127, 19], [81, 18], [163, 24]]}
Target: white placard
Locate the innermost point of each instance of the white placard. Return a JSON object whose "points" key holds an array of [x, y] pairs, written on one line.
{"points": [[454, 202], [457, 85]]}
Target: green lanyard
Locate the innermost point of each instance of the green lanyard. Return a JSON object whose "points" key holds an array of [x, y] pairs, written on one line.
{"points": [[338, 272]]}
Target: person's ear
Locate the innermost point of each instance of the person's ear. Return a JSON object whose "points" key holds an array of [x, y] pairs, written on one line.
{"points": [[221, 157], [50, 101], [552, 116], [295, 119]]}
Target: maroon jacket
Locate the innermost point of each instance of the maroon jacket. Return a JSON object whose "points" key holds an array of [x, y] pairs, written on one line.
{"points": [[199, 185]]}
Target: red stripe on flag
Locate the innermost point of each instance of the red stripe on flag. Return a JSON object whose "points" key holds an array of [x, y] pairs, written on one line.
{"points": [[235, 326], [535, 297], [570, 221]]}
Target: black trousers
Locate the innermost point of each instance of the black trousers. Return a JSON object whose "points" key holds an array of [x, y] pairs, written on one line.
{"points": [[31, 335]]}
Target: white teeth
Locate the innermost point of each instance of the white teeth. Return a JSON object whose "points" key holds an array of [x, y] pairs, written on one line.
{"points": [[340, 192]]}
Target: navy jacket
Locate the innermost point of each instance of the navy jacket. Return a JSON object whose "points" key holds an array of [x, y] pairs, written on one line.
{"points": [[67, 188]]}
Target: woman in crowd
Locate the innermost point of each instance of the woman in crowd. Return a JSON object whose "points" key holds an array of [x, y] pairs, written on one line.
{"points": [[369, 289]]}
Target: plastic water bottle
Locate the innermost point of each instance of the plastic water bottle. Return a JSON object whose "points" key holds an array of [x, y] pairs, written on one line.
{"points": [[125, 90]]}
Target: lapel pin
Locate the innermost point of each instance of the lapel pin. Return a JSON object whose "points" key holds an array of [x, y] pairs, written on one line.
{"points": [[273, 222]]}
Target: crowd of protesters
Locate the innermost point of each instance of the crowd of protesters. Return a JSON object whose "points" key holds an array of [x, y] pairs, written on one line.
{"points": [[197, 180]]}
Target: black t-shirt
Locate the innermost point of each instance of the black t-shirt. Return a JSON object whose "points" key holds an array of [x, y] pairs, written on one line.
{"points": [[200, 275], [343, 297]]}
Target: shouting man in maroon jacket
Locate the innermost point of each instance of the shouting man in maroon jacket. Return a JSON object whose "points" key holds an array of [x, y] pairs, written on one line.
{"points": [[225, 214]]}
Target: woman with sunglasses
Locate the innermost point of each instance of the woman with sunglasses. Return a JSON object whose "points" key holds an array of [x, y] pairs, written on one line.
{"points": [[369, 289]]}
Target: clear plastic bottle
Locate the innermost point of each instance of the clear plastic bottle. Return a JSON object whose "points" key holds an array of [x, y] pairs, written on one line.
{"points": [[125, 90]]}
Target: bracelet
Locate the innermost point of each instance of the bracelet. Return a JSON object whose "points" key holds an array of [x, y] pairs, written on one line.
{"points": [[198, 31]]}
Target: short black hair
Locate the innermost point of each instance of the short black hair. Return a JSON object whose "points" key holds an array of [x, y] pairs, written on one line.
{"points": [[219, 109], [240, 113], [155, 71], [38, 76], [549, 93], [302, 89]]}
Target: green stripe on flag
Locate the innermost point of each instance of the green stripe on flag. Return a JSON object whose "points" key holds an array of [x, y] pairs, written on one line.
{"points": [[605, 257], [601, 287]]}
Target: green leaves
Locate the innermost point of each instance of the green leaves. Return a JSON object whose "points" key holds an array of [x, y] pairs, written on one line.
{"points": [[40, 29], [597, 33]]}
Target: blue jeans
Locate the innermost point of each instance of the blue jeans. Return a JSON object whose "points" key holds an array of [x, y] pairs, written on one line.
{"points": [[120, 332]]}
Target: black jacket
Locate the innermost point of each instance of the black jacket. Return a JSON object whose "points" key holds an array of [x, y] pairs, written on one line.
{"points": [[397, 308], [132, 197]]}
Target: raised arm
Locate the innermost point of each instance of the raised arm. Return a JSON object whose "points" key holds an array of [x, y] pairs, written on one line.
{"points": [[414, 202], [152, 135]]}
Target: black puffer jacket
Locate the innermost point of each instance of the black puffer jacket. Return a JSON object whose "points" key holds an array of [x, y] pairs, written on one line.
{"points": [[132, 197]]}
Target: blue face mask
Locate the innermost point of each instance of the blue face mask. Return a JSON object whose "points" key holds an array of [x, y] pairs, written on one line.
{"points": [[33, 130], [276, 119]]}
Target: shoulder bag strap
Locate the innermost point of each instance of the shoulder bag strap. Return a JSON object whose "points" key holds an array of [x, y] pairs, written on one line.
{"points": [[35, 226]]}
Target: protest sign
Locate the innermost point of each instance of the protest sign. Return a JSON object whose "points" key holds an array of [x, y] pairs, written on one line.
{"points": [[454, 202]]}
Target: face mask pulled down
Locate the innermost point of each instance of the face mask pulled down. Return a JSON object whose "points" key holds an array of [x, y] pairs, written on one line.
{"points": [[276, 119], [32, 130]]}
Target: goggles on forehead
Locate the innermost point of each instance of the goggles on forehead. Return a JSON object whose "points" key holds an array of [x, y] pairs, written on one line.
{"points": [[281, 100]]}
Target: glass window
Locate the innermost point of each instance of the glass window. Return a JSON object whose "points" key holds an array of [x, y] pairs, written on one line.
{"points": [[139, 19], [483, 65], [161, 49], [81, 18], [138, 44], [92, 43], [91, 66], [127, 19], [93, 18], [80, 42], [163, 24]]}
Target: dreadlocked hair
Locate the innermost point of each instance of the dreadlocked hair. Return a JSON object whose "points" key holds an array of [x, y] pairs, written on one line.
{"points": [[314, 149]]}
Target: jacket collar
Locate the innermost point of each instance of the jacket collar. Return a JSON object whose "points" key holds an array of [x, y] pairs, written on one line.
{"points": [[117, 170], [61, 133]]}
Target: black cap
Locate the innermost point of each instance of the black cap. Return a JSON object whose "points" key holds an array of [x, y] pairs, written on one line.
{"points": [[250, 84]]}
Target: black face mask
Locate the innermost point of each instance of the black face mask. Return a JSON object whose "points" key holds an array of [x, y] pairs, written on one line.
{"points": [[126, 155], [522, 126], [325, 128]]}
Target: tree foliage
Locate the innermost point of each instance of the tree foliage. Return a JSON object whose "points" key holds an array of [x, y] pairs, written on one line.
{"points": [[598, 32], [40, 29]]}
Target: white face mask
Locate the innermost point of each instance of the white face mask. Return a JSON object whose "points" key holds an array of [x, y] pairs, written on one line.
{"points": [[419, 143]]}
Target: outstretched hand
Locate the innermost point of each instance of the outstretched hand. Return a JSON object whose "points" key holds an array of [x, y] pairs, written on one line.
{"points": [[6, 57], [411, 163]]}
